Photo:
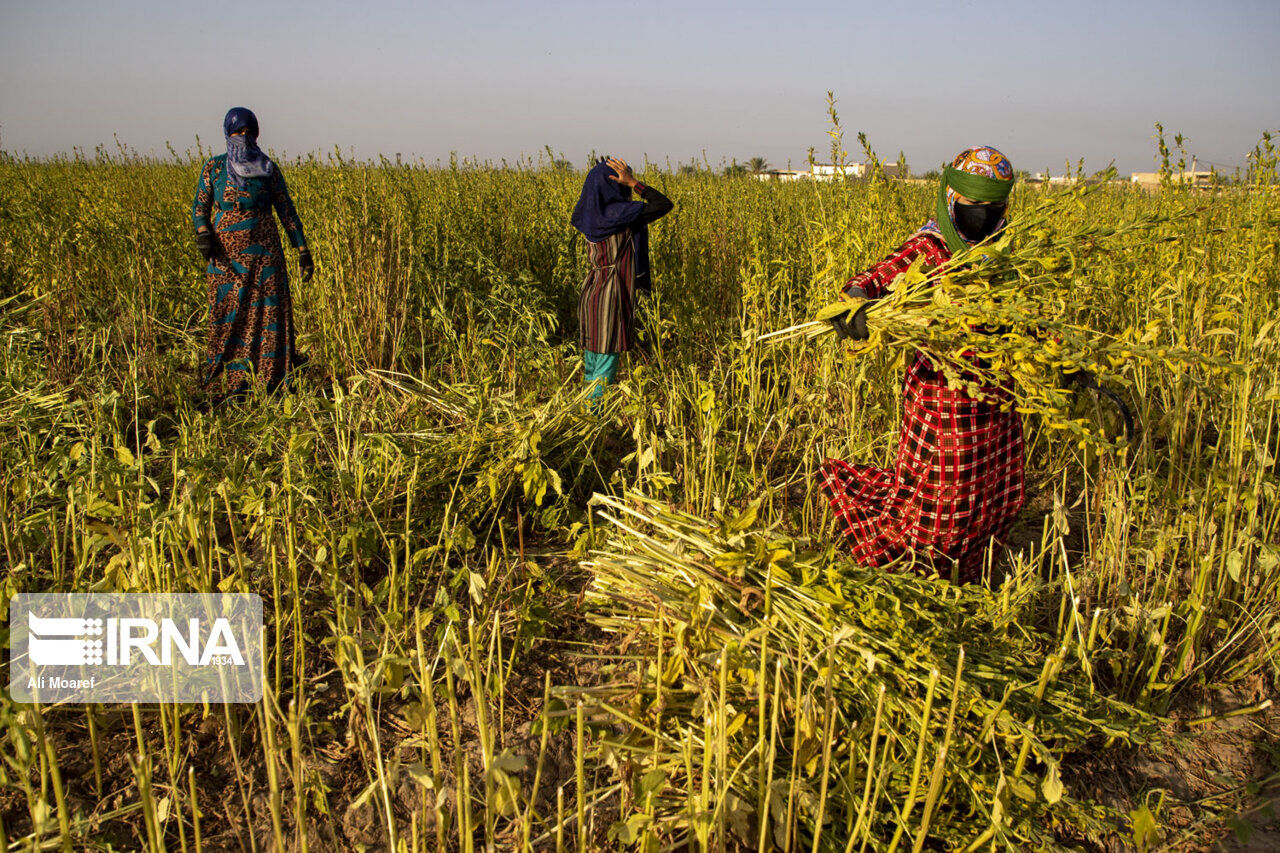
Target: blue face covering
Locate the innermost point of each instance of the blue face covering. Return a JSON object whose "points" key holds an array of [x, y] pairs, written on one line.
{"points": [[244, 158]]}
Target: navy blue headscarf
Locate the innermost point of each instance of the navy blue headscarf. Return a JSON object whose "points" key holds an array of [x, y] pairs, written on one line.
{"points": [[605, 208], [244, 158]]}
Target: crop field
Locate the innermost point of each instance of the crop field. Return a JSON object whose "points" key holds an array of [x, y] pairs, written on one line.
{"points": [[499, 618]]}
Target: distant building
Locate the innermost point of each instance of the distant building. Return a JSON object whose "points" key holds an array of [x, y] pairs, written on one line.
{"points": [[827, 172], [782, 175], [1046, 178], [1194, 177]]}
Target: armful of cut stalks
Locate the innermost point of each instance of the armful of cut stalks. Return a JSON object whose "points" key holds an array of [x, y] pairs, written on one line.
{"points": [[848, 317], [1008, 316], [848, 320], [819, 326]]}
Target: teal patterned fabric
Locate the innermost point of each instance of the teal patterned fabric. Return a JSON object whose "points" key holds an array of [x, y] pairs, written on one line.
{"points": [[259, 195], [251, 331]]}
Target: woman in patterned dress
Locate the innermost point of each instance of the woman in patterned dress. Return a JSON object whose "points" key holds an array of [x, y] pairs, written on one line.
{"points": [[957, 482], [617, 231], [251, 333]]}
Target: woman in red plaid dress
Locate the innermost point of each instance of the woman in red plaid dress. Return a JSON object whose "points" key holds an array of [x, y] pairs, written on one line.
{"points": [[958, 480]]}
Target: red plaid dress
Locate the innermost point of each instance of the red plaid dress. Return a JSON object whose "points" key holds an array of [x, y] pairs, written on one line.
{"points": [[958, 480]]}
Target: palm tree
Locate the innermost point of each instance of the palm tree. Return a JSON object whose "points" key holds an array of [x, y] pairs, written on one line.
{"points": [[758, 165]]}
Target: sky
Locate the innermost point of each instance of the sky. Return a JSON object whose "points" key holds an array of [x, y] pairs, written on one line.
{"points": [[1046, 83]]}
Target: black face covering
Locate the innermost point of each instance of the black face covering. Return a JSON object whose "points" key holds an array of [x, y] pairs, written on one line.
{"points": [[977, 222]]}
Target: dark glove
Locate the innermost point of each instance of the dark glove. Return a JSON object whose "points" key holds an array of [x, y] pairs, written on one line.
{"points": [[305, 264], [206, 245], [852, 327]]}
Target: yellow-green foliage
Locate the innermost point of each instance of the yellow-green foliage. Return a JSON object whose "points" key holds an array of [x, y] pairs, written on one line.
{"points": [[414, 511]]}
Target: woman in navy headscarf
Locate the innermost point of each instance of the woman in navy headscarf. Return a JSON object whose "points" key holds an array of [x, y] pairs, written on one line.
{"points": [[617, 230], [251, 334]]}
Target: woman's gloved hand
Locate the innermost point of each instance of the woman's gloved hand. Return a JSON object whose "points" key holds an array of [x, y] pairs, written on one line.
{"points": [[305, 264], [206, 245], [852, 327]]}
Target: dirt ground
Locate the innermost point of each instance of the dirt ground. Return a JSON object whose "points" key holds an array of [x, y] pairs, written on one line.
{"points": [[1211, 786]]}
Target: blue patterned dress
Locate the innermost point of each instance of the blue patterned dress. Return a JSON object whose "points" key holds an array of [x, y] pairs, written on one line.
{"points": [[251, 332]]}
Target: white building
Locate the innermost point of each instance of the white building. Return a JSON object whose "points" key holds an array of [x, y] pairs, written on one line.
{"points": [[826, 172], [782, 175], [1046, 178]]}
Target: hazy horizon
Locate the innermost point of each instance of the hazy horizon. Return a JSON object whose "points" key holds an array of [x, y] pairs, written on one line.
{"points": [[666, 81]]}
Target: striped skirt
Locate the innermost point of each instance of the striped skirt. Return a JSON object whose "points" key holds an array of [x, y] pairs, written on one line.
{"points": [[606, 307]]}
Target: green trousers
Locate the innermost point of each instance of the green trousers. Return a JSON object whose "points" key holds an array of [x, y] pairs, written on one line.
{"points": [[600, 369]]}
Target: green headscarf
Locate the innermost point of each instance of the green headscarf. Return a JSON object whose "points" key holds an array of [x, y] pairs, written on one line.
{"points": [[977, 187]]}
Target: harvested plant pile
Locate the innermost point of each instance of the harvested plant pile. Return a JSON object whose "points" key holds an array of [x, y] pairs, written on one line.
{"points": [[784, 694]]}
